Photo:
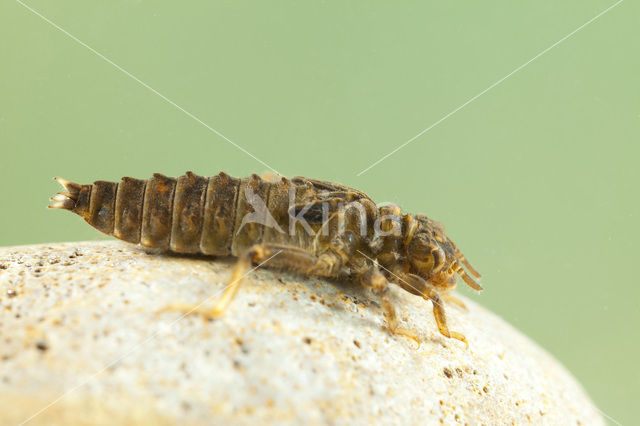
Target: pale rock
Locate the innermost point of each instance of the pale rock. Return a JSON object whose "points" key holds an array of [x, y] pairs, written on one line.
{"points": [[82, 342]]}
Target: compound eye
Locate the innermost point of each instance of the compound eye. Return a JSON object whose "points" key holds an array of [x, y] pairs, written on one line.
{"points": [[439, 257], [426, 254], [420, 247]]}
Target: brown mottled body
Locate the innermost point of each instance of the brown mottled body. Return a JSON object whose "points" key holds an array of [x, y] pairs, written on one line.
{"points": [[254, 219], [194, 214]]}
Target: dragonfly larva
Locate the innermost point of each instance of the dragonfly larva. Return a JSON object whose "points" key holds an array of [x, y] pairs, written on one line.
{"points": [[310, 226]]}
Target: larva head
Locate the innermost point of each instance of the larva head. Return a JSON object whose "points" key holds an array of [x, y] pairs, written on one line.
{"points": [[433, 256]]}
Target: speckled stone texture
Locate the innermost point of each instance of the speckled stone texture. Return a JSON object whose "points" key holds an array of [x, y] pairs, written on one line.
{"points": [[79, 326]]}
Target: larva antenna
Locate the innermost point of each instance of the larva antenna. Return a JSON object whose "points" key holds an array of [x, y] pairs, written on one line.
{"points": [[464, 260], [467, 279]]}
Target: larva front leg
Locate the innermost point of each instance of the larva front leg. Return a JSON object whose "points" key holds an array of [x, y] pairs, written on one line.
{"points": [[418, 286], [375, 280]]}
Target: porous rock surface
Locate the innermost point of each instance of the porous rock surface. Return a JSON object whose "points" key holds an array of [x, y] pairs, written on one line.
{"points": [[81, 342]]}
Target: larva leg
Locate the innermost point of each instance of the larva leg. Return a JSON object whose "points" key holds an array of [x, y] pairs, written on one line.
{"points": [[288, 257], [375, 280], [335, 256], [418, 286], [328, 265], [339, 250]]}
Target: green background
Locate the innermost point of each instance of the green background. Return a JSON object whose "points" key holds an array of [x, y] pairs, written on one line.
{"points": [[536, 180]]}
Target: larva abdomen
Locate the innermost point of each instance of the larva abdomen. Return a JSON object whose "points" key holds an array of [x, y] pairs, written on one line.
{"points": [[102, 206], [157, 212], [217, 215], [190, 214], [128, 210]]}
